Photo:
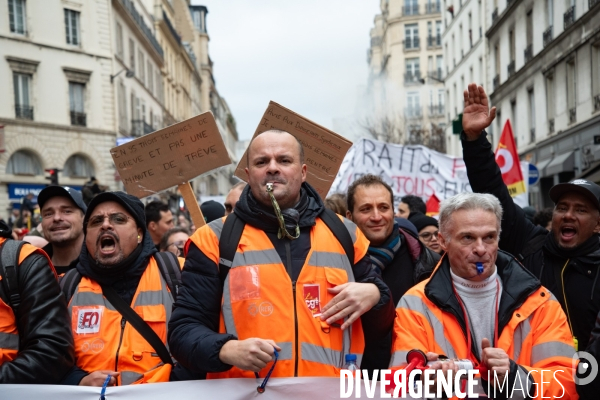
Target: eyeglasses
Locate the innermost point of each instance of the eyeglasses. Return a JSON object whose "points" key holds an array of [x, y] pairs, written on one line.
{"points": [[116, 219], [427, 236], [180, 244]]}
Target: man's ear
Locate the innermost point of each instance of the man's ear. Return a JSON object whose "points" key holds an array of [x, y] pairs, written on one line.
{"points": [[442, 241], [349, 215], [597, 227], [140, 235], [152, 226]]}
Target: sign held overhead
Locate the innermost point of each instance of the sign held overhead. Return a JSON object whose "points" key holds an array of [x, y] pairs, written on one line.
{"points": [[171, 156], [324, 150]]}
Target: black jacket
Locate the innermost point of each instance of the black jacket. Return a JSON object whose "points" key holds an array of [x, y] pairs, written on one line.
{"points": [[59, 269], [517, 283], [46, 343], [530, 244], [521, 238], [412, 264], [193, 331]]}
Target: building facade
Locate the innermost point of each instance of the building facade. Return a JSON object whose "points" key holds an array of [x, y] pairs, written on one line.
{"points": [[544, 75], [465, 59], [406, 74], [116, 70], [58, 111]]}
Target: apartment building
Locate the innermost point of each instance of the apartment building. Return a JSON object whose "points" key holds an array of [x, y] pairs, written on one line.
{"points": [[58, 110], [465, 59], [406, 73], [544, 64]]}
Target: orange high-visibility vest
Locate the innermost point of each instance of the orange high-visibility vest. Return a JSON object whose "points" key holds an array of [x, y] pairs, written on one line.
{"points": [[537, 337], [260, 300], [9, 335], [105, 341]]}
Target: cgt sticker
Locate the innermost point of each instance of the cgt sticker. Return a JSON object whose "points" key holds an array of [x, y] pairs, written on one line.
{"points": [[312, 298], [88, 320]]}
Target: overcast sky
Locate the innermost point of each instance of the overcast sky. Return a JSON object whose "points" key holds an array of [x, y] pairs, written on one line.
{"points": [[307, 55]]}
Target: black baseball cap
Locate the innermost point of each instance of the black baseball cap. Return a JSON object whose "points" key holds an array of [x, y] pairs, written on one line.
{"points": [[586, 188], [132, 205], [64, 191]]}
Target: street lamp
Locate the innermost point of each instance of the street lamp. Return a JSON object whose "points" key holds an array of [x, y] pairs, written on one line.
{"points": [[128, 74]]}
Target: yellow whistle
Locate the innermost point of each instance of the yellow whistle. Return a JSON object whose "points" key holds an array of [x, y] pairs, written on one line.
{"points": [[576, 343]]}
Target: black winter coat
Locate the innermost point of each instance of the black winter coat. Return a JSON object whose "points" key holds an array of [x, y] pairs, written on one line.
{"points": [[194, 338], [46, 343], [529, 244]]}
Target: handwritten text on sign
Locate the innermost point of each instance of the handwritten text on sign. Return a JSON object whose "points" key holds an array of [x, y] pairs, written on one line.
{"points": [[171, 156], [324, 150]]}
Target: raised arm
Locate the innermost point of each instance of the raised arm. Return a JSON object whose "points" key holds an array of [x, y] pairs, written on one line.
{"points": [[484, 173]]}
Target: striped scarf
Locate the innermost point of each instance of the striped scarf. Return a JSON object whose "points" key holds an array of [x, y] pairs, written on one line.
{"points": [[382, 256]]}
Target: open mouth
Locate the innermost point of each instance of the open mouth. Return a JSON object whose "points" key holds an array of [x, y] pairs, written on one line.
{"points": [[107, 244], [568, 232]]}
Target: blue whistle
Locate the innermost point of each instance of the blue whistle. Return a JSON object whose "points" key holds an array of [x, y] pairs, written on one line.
{"points": [[479, 268]]}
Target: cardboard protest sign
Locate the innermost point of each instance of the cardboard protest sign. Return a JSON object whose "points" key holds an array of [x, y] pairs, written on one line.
{"points": [[170, 156], [324, 150]]}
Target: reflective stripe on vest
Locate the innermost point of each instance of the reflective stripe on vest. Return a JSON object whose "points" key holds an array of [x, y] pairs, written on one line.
{"points": [[258, 297], [9, 334], [101, 344]]}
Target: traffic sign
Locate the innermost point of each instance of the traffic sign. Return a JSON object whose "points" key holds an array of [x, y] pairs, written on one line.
{"points": [[534, 174]]}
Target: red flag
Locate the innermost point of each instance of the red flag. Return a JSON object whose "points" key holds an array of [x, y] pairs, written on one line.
{"points": [[433, 205], [509, 163]]}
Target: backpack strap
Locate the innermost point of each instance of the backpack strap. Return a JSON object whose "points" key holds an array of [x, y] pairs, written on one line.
{"points": [[168, 264], [137, 323], [339, 230], [9, 258], [69, 283], [228, 243]]}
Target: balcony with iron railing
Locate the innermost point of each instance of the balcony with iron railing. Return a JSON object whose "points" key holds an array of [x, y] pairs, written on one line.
{"points": [[494, 15], [413, 112], [411, 9], [597, 102], [411, 43], [569, 17], [548, 36], [511, 68], [551, 125], [436, 75], [140, 127], [572, 115], [135, 15], [412, 78], [434, 41], [436, 110], [24, 111], [528, 53], [78, 118], [433, 8], [496, 82]]}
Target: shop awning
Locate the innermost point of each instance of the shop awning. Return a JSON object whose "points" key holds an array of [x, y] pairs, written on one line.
{"points": [[560, 163], [541, 165]]}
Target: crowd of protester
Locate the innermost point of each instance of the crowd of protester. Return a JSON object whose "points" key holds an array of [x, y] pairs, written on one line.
{"points": [[287, 279]]}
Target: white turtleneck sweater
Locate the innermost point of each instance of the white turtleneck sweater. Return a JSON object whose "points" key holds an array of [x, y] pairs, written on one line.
{"points": [[479, 299]]}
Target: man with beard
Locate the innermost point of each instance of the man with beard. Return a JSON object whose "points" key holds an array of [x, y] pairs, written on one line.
{"points": [[291, 294], [567, 259], [117, 259], [62, 210]]}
